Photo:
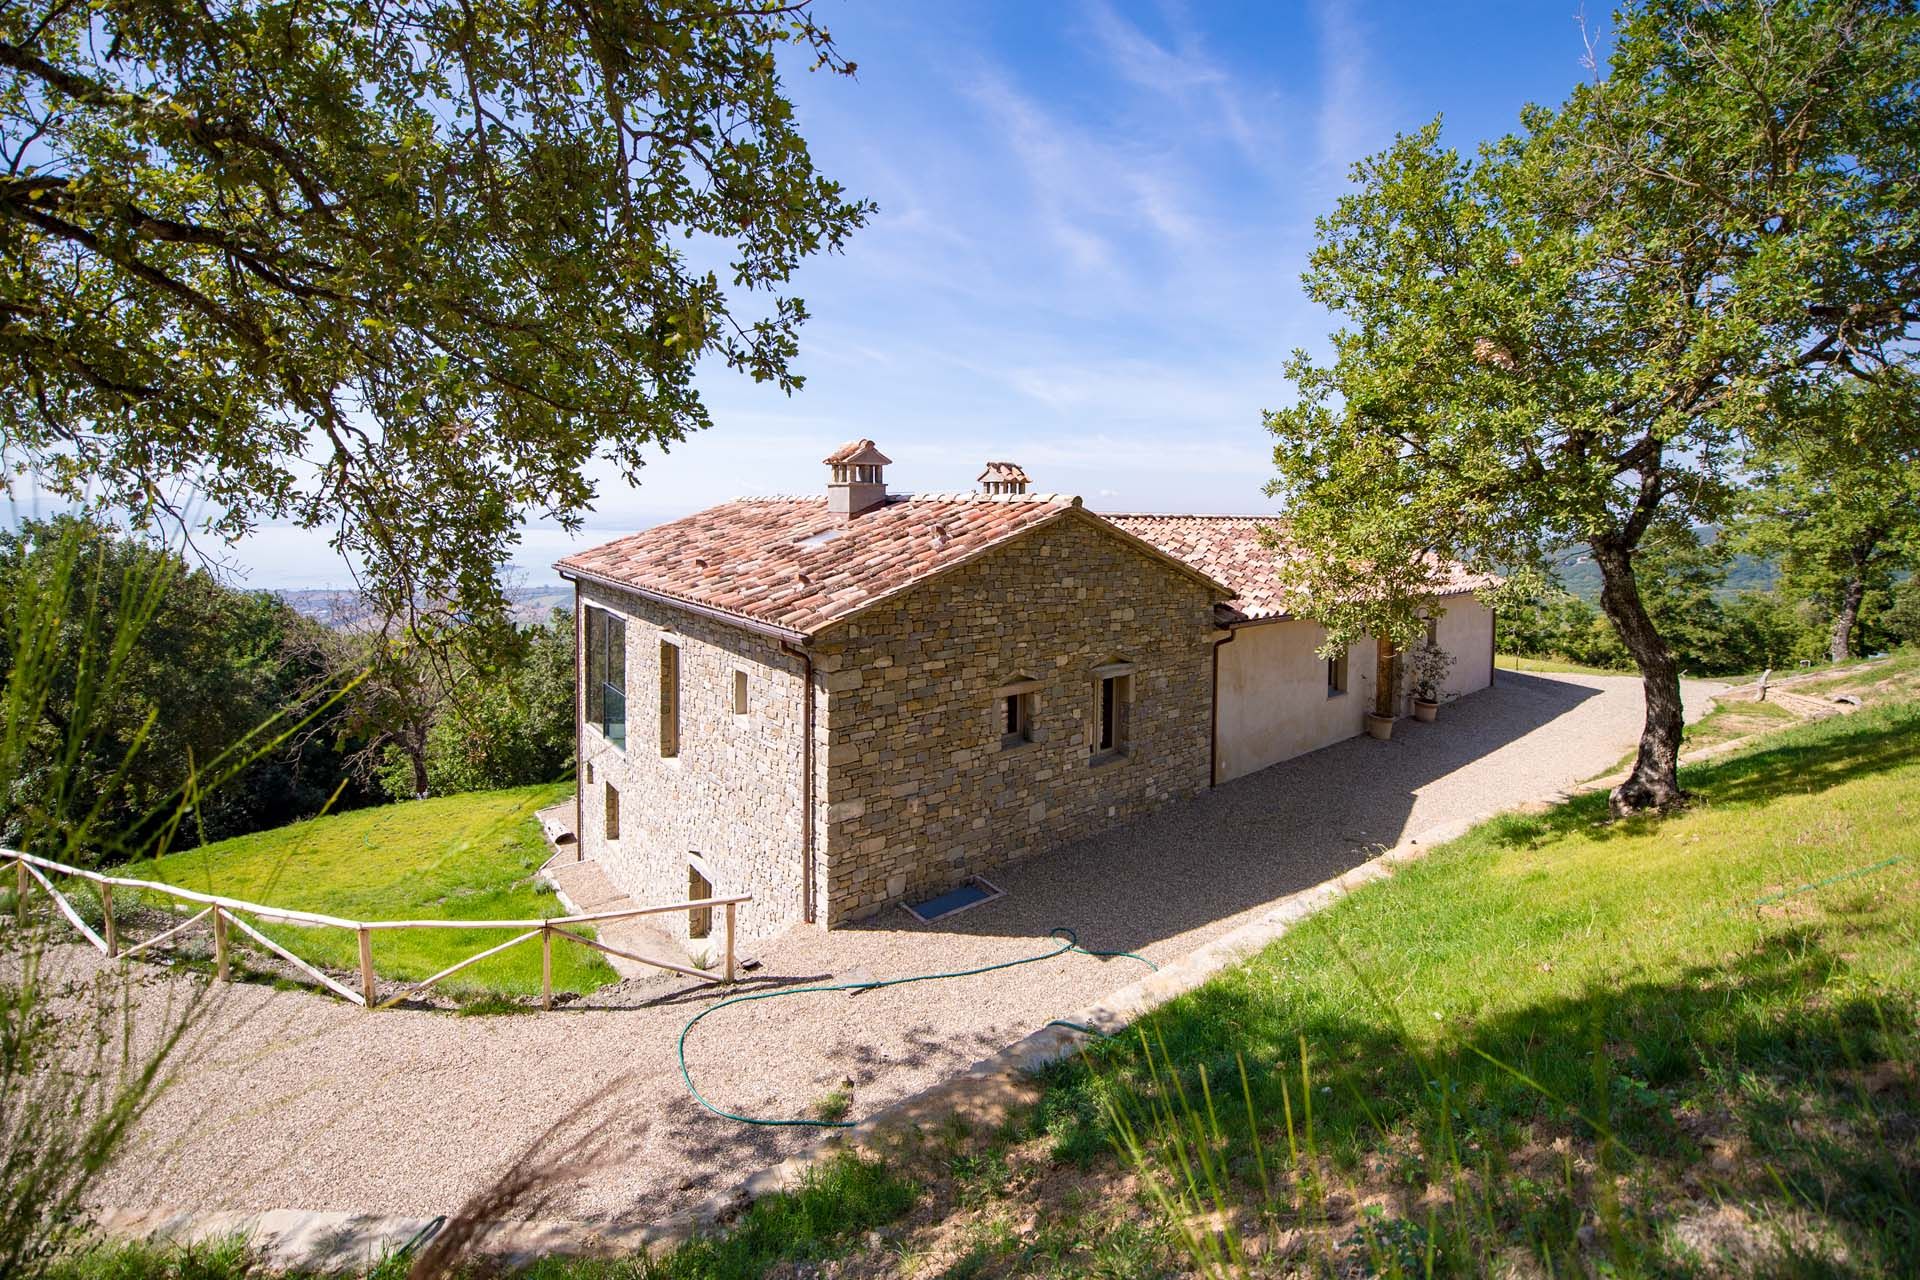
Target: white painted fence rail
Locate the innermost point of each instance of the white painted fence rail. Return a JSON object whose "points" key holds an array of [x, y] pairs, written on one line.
{"points": [[222, 913]]}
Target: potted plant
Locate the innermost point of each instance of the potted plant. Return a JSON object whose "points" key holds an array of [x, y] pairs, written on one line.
{"points": [[1430, 666]]}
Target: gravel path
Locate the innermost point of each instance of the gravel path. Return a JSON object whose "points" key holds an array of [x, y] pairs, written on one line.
{"points": [[290, 1100]]}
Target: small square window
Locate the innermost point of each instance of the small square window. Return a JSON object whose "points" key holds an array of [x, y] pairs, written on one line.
{"points": [[1337, 674], [739, 693]]}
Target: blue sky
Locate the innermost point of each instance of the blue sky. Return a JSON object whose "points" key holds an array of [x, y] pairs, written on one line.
{"points": [[1093, 218]]}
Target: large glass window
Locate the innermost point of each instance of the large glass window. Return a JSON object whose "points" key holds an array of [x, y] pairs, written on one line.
{"points": [[607, 675]]}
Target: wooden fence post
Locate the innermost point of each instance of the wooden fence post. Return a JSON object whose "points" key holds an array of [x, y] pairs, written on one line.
{"points": [[546, 966], [219, 945], [367, 991], [106, 918], [20, 892], [729, 964]]}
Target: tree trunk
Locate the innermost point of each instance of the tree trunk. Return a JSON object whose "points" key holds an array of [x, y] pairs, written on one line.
{"points": [[1655, 780], [417, 756], [1846, 616]]}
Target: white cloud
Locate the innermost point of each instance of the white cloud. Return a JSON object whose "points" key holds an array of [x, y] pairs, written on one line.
{"points": [[1352, 112]]}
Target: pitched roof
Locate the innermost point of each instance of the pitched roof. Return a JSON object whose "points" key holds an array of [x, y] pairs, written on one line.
{"points": [[792, 565], [1004, 472], [1232, 550]]}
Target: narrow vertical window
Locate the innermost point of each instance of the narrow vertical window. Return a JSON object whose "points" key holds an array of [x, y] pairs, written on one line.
{"points": [[606, 676], [1113, 711], [1337, 674], [739, 693], [669, 699], [613, 812]]}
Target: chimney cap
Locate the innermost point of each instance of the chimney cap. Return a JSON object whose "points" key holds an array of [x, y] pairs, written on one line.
{"points": [[1004, 472], [857, 453]]}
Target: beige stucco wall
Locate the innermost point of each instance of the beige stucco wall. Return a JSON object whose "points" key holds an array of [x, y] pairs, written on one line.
{"points": [[1273, 696], [920, 792], [1466, 632], [732, 795]]}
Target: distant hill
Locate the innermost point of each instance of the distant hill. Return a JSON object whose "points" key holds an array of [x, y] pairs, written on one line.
{"points": [[345, 611], [1581, 576]]}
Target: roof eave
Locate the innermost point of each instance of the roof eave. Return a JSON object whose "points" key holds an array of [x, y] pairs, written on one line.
{"points": [[771, 629]]}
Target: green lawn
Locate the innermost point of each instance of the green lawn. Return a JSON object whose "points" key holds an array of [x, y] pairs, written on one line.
{"points": [[462, 857], [1553, 666], [1478, 1022]]}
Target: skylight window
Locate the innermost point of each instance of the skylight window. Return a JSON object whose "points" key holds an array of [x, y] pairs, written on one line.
{"points": [[819, 539]]}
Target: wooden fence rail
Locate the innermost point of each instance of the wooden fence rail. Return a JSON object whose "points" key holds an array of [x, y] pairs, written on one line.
{"points": [[227, 913]]}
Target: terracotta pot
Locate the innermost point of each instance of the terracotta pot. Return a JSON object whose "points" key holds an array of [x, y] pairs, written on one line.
{"points": [[1379, 726], [1423, 710]]}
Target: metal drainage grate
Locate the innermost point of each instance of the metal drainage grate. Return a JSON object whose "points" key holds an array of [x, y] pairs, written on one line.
{"points": [[971, 894]]}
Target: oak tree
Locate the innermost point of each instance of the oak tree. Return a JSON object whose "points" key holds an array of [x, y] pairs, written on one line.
{"points": [[1836, 501], [396, 269], [1572, 336]]}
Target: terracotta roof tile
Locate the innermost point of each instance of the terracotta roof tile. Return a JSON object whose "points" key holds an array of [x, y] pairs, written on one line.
{"points": [[1232, 550], [861, 451], [1003, 473], [790, 563]]}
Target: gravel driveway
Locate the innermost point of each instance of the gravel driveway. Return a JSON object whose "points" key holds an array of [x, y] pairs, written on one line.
{"points": [[290, 1100]]}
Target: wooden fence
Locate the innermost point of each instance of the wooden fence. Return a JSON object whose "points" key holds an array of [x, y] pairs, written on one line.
{"points": [[224, 914]]}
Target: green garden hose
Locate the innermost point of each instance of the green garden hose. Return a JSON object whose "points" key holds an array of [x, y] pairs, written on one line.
{"points": [[1069, 942]]}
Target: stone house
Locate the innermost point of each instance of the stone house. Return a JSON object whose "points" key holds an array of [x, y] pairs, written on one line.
{"points": [[848, 700]]}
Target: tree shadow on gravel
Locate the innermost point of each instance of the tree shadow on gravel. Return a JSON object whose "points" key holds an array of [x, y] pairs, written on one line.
{"points": [[1254, 839]]}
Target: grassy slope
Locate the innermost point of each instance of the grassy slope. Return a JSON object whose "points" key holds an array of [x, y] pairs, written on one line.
{"points": [[466, 857], [1757, 1053]]}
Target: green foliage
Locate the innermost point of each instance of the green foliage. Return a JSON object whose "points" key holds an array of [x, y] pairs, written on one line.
{"points": [[469, 857], [397, 270], [1560, 626], [1572, 337], [822, 1218], [1902, 617], [197, 669], [75, 1077], [1485, 1040], [1837, 502], [508, 726], [1711, 634], [226, 1258]]}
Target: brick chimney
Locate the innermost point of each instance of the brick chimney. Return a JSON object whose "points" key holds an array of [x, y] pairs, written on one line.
{"points": [[1003, 477], [856, 481]]}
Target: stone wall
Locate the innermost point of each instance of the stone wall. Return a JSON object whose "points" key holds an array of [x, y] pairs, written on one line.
{"points": [[732, 795], [920, 793]]}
